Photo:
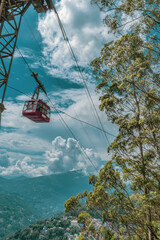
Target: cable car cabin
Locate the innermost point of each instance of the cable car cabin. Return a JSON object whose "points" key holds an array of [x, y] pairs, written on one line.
{"points": [[36, 110]]}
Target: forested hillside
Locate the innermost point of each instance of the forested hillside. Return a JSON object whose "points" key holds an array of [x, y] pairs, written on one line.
{"points": [[15, 213], [26, 200]]}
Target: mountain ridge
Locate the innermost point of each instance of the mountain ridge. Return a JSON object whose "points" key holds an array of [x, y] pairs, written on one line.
{"points": [[42, 197]]}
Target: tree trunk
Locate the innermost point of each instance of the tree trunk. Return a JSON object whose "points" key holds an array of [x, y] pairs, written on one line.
{"points": [[143, 166]]}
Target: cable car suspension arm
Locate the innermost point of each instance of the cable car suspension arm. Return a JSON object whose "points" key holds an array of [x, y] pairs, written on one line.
{"points": [[39, 86]]}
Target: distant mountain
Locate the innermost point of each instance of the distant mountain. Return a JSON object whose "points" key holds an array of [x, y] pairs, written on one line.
{"points": [[35, 198]]}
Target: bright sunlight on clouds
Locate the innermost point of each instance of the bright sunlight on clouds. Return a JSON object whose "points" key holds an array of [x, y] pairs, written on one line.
{"points": [[83, 24], [64, 155]]}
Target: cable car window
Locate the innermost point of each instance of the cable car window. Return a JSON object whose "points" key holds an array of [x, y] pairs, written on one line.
{"points": [[38, 107], [25, 106], [30, 105], [48, 113], [35, 106]]}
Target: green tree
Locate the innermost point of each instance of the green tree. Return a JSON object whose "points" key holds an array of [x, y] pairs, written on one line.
{"points": [[84, 218], [129, 80], [106, 234], [127, 190], [123, 70], [72, 205], [91, 227], [143, 15], [81, 236], [140, 17]]}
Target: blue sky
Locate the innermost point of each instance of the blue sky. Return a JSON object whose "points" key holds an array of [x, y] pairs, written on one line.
{"points": [[31, 149]]}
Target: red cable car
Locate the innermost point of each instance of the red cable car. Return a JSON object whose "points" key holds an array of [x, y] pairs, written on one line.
{"points": [[36, 109]]}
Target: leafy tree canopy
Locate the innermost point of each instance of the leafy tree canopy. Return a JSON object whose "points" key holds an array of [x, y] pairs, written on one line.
{"points": [[126, 192]]}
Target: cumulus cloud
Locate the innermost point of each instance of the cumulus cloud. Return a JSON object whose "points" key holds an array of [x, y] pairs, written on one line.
{"points": [[66, 155], [83, 24], [24, 167], [23, 142]]}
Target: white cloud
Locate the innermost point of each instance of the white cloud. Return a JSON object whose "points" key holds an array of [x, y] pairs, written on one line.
{"points": [[12, 116], [19, 137], [130, 21], [66, 155], [25, 52], [26, 136], [4, 158], [83, 24], [24, 167], [23, 142], [82, 109]]}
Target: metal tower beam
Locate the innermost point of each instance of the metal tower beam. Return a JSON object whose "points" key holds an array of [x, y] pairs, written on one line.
{"points": [[11, 13]]}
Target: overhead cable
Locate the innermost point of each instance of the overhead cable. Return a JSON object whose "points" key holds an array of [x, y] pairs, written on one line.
{"points": [[79, 70], [68, 115], [84, 130]]}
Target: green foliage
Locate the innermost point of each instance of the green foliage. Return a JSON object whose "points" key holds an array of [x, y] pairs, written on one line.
{"points": [[92, 179], [108, 234], [125, 77], [84, 218], [72, 204], [126, 192], [142, 15], [83, 195], [91, 227], [14, 213], [81, 236]]}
